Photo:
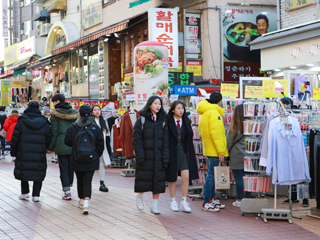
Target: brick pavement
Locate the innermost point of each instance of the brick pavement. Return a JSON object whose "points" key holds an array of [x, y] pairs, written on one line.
{"points": [[114, 215]]}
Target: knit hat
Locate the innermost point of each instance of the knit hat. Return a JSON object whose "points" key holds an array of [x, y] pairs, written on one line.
{"points": [[215, 98], [85, 112], [14, 111]]}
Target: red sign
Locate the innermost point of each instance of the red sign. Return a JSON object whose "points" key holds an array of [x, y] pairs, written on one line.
{"points": [[74, 102], [234, 70], [105, 103]]}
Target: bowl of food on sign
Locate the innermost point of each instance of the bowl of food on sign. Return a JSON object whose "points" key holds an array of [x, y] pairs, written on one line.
{"points": [[149, 63]]}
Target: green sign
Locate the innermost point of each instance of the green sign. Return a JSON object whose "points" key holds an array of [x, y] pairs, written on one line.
{"points": [[180, 78]]}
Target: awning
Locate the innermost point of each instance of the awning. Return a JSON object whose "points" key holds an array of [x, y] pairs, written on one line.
{"points": [[41, 62], [18, 64], [287, 35], [57, 6], [19, 72], [108, 30], [43, 15]]}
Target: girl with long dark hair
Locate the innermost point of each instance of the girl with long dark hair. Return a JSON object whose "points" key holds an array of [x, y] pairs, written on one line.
{"points": [[104, 159], [182, 158], [150, 142], [236, 148]]}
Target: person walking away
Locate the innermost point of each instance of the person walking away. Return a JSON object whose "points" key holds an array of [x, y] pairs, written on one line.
{"points": [[104, 159], [30, 140], [9, 125], [237, 151], [212, 132], [151, 146], [3, 117], [86, 140], [182, 159], [62, 116]]}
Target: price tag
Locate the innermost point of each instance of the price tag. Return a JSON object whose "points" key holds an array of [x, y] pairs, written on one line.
{"points": [[229, 90], [121, 110], [316, 94], [253, 92], [174, 97], [269, 88], [130, 97]]}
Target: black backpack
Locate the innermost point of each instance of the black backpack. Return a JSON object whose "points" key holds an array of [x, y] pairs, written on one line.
{"points": [[84, 145]]}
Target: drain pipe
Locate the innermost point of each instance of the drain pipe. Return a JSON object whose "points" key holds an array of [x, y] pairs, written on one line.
{"points": [[317, 9], [221, 40], [279, 15]]}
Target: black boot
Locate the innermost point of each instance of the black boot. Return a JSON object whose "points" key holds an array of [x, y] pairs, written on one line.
{"points": [[103, 188]]}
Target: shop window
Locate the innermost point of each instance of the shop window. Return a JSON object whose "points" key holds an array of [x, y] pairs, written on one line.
{"points": [[145, 34], [26, 2], [80, 66], [26, 27], [85, 65], [106, 3], [77, 66], [79, 71], [93, 72]]}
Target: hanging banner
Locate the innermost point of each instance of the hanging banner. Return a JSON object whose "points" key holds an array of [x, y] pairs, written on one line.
{"points": [[253, 92], [240, 26], [5, 18], [5, 92], [150, 72], [101, 68], [163, 27], [90, 103], [316, 94], [75, 103], [269, 88], [193, 33], [229, 90]]}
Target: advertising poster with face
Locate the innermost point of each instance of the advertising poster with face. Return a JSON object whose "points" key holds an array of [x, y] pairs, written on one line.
{"points": [[240, 26], [150, 72]]}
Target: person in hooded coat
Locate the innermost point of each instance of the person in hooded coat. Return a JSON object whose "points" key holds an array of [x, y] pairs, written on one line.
{"points": [[85, 170], [10, 123], [151, 146], [30, 140]]}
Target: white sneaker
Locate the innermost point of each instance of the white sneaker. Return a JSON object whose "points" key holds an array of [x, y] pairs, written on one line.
{"points": [[184, 206], [174, 206], [139, 202], [218, 204], [237, 203], [155, 209], [210, 207], [36, 199], [24, 196], [80, 203], [85, 209]]}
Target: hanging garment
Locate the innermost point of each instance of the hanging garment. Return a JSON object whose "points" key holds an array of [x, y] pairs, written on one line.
{"points": [[126, 132], [117, 143]]}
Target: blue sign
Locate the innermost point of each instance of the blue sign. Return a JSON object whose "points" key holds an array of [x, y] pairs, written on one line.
{"points": [[183, 90], [1, 70]]}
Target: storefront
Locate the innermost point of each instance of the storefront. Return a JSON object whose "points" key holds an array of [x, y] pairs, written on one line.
{"points": [[292, 54]]}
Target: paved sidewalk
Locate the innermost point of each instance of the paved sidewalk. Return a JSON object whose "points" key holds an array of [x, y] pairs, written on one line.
{"points": [[114, 215]]}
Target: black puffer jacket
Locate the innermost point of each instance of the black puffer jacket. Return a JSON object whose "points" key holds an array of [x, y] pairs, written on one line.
{"points": [[151, 147], [30, 139], [70, 138], [3, 117]]}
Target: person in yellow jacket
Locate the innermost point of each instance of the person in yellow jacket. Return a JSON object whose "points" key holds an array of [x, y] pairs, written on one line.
{"points": [[214, 144]]}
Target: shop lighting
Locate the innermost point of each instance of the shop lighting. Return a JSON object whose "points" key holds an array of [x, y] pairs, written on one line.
{"points": [[55, 30], [116, 35], [277, 70], [106, 40], [310, 65], [108, 35], [293, 67]]}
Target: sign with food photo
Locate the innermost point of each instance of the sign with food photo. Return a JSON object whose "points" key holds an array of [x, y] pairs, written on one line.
{"points": [[240, 26], [150, 72]]}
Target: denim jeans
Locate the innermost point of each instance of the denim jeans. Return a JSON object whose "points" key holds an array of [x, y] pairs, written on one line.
{"points": [[238, 177], [209, 191], [3, 144], [66, 174]]}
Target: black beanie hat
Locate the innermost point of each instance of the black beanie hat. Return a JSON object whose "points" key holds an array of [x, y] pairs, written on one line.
{"points": [[215, 97], [85, 112]]}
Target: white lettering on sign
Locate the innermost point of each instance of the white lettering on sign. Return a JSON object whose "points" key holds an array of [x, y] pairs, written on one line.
{"points": [[314, 49]]}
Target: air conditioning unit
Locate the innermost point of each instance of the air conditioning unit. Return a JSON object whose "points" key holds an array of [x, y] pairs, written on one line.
{"points": [[33, 33], [44, 29]]}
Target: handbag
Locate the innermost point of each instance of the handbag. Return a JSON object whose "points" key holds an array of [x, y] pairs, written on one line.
{"points": [[229, 150], [221, 177]]}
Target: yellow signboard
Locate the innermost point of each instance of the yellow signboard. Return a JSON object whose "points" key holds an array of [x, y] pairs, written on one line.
{"points": [[5, 92], [176, 69], [253, 92], [316, 94], [195, 67], [10, 54], [269, 88], [294, 4], [121, 110], [229, 90]]}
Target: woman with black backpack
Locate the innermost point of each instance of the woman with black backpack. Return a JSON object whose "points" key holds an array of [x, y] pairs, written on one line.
{"points": [[86, 140], [151, 146]]}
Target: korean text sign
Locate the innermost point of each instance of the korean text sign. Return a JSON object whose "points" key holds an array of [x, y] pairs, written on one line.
{"points": [[183, 78], [269, 88], [229, 90], [316, 94], [163, 27], [195, 67], [253, 92], [193, 33]]}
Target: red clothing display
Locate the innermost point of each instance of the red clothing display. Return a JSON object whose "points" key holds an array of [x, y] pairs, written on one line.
{"points": [[117, 143], [9, 125], [126, 131]]}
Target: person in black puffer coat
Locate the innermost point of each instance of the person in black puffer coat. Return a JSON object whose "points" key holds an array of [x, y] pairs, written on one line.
{"points": [[3, 118], [30, 140], [85, 169], [151, 148]]}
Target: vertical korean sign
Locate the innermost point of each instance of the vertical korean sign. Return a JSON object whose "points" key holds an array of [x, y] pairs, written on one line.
{"points": [[4, 18], [101, 68], [150, 72], [193, 34], [163, 27], [240, 26]]}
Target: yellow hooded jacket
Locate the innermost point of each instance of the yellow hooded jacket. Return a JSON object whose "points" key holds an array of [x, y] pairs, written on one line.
{"points": [[212, 130]]}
